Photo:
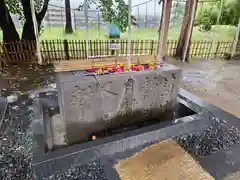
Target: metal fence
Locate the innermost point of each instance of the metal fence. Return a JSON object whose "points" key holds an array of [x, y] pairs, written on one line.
{"points": [[57, 50]]}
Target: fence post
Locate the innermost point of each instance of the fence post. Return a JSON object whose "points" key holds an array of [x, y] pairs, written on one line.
{"points": [[112, 51], [66, 50], [152, 44], [217, 48]]}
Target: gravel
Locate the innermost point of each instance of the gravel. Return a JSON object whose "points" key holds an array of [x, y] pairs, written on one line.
{"points": [[213, 139], [16, 143], [93, 171]]}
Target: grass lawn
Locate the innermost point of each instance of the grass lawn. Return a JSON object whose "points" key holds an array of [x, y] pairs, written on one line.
{"points": [[217, 33]]}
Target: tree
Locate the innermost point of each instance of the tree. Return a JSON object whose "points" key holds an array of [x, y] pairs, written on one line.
{"points": [[186, 29], [230, 13], [177, 7], [68, 27], [113, 11], [23, 9]]}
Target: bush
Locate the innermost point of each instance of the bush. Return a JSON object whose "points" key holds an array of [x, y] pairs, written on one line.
{"points": [[205, 20]]}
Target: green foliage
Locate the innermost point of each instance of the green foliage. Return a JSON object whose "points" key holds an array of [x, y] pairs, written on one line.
{"points": [[15, 7], [206, 20], [177, 11], [113, 11], [208, 15]]}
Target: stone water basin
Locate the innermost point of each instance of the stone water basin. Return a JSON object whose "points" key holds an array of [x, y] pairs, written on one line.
{"points": [[90, 104]]}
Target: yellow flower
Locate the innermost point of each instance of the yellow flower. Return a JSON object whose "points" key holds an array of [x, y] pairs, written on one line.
{"points": [[126, 68], [109, 69], [121, 65], [99, 70], [151, 67], [132, 65]]}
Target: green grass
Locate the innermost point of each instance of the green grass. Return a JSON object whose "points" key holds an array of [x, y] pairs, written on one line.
{"points": [[217, 33]]}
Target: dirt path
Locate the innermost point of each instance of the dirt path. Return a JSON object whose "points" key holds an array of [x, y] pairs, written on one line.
{"points": [[215, 81]]}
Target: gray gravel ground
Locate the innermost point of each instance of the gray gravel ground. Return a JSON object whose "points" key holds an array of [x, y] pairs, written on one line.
{"points": [[213, 139], [16, 144], [93, 171]]}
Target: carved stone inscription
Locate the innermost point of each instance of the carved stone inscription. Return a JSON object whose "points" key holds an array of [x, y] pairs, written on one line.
{"points": [[128, 101], [88, 103]]}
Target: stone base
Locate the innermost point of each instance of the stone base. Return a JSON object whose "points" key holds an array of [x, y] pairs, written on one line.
{"points": [[236, 56], [92, 104]]}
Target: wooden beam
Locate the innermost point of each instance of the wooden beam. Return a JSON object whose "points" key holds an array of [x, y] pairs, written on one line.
{"points": [[84, 64], [163, 32]]}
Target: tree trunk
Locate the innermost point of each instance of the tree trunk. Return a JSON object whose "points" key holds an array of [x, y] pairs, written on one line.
{"points": [[41, 14], [182, 36], [10, 33], [28, 28], [68, 27], [186, 29]]}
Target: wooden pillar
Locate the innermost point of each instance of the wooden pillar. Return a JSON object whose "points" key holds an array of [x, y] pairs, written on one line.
{"points": [[185, 37], [236, 44], [163, 31]]}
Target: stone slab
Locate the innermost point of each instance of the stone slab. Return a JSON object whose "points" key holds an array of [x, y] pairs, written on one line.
{"points": [[165, 160], [90, 104]]}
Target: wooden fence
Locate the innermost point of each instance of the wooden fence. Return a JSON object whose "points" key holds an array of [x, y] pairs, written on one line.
{"points": [[57, 50]]}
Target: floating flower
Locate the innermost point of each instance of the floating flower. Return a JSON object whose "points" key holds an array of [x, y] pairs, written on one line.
{"points": [[104, 68], [151, 64], [94, 137], [98, 71], [126, 68], [91, 70], [151, 67]]}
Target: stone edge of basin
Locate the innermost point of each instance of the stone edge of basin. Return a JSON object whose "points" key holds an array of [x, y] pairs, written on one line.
{"points": [[46, 163], [3, 109]]}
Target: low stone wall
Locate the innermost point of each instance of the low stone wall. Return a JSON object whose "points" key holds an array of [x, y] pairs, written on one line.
{"points": [[90, 104]]}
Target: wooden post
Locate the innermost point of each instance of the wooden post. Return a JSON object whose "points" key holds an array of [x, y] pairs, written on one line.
{"points": [[86, 23], [66, 50], [35, 27], [129, 31], [163, 32], [190, 29], [236, 41], [185, 37]]}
